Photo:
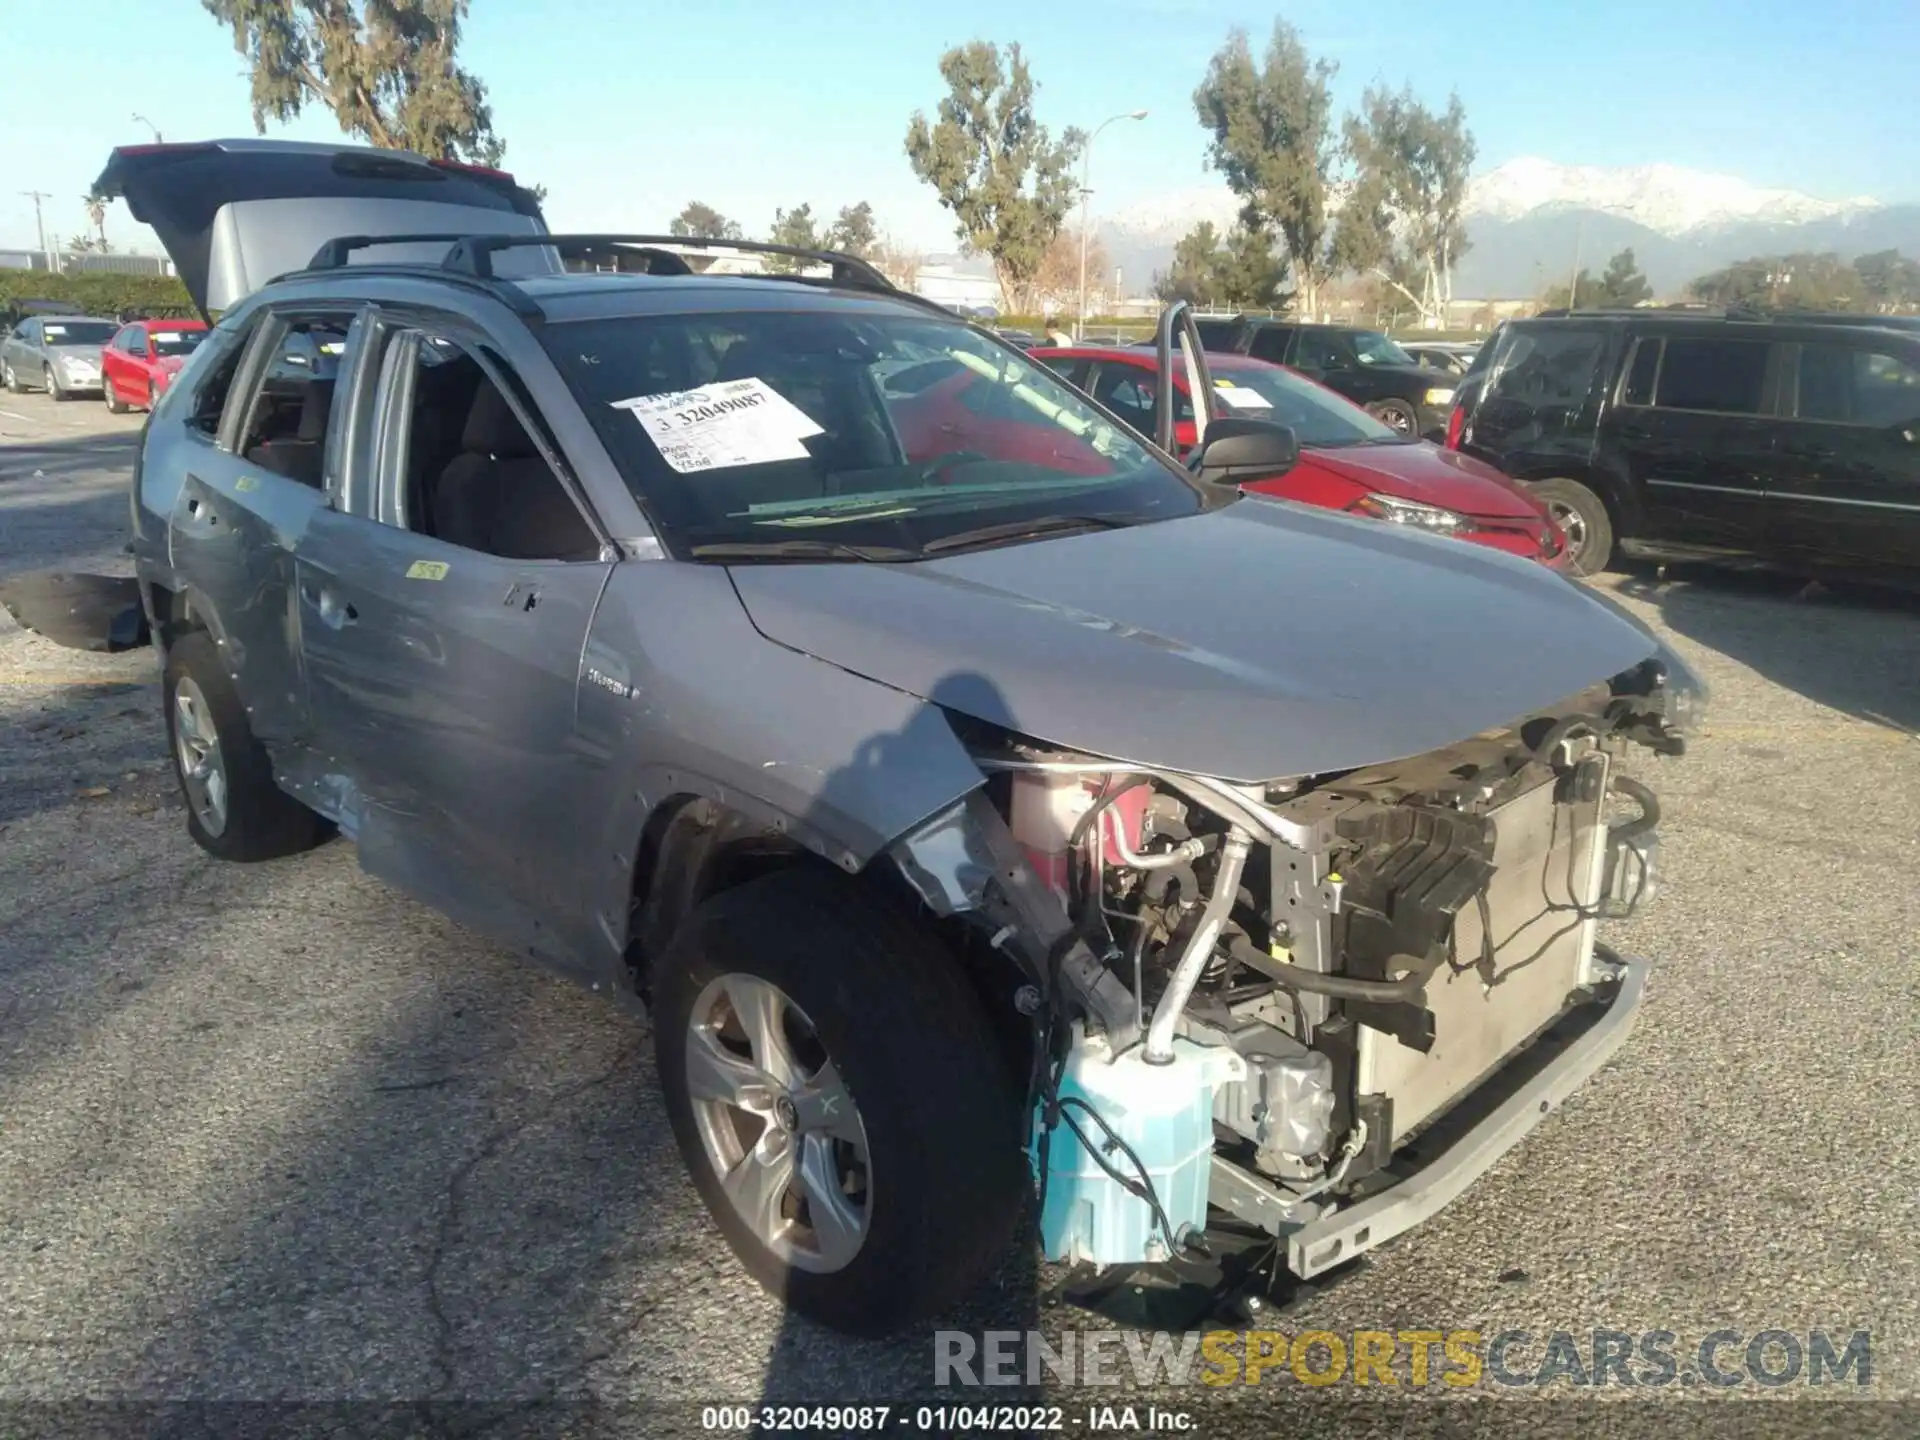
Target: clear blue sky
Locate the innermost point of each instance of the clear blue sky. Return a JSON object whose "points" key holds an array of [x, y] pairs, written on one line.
{"points": [[626, 111]]}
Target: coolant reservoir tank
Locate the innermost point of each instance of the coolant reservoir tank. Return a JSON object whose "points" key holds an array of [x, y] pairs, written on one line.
{"points": [[1164, 1114]]}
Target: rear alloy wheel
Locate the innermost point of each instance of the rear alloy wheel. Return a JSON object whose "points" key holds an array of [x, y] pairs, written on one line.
{"points": [[1582, 517], [234, 810], [1397, 414], [53, 385], [840, 1099]]}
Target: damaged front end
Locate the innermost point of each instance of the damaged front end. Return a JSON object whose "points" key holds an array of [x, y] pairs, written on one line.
{"points": [[1322, 1005]]}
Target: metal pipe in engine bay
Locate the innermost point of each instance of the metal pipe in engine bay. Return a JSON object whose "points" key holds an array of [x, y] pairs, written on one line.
{"points": [[1213, 919]]}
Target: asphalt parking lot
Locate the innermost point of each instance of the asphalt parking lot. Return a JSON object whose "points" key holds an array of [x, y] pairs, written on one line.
{"points": [[277, 1132]]}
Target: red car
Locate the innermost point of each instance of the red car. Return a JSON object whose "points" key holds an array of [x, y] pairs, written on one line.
{"points": [[142, 359], [1348, 460]]}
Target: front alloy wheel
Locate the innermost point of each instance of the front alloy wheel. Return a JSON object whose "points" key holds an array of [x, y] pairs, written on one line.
{"points": [[203, 772], [778, 1126], [842, 1100]]}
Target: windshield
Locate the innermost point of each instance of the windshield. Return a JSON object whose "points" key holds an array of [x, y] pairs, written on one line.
{"points": [[1374, 348], [78, 332], [1320, 419], [175, 342], [840, 432]]}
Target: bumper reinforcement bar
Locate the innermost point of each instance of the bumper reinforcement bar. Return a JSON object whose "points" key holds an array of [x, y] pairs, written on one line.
{"points": [[1329, 1240]]}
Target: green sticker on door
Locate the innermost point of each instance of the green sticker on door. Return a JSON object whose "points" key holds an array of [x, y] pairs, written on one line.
{"points": [[427, 570], [245, 483]]}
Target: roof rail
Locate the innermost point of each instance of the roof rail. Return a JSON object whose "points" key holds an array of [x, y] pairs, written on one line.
{"points": [[1679, 310], [473, 254], [333, 255]]}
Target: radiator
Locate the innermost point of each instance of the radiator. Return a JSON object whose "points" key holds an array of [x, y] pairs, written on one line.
{"points": [[1548, 859]]}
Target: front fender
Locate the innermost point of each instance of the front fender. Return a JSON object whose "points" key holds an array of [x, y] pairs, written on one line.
{"points": [[682, 698]]}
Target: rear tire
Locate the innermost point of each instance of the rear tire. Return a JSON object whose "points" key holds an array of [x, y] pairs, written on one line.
{"points": [[234, 810], [1397, 414], [871, 993], [1583, 518]]}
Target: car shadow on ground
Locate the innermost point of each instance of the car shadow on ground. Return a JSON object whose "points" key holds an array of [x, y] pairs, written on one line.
{"points": [[387, 1163], [1852, 648]]}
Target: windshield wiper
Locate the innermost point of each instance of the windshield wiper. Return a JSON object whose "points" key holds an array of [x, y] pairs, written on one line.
{"points": [[775, 550], [1020, 529]]}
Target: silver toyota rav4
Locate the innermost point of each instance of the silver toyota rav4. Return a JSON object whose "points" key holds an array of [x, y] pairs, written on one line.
{"points": [[980, 802]]}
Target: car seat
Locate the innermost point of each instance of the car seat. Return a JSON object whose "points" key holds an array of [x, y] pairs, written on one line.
{"points": [[500, 496], [299, 456]]}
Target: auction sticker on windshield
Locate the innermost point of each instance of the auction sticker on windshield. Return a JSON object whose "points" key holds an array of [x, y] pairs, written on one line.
{"points": [[1240, 399], [736, 422]]}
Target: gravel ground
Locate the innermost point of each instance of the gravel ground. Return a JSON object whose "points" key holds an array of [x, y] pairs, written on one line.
{"points": [[278, 1133]]}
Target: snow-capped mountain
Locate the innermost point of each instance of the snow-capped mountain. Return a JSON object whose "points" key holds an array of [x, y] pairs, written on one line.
{"points": [[1527, 219], [1169, 217], [1664, 198]]}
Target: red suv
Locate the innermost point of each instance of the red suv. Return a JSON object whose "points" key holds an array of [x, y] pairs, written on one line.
{"points": [[1348, 460], [142, 359]]}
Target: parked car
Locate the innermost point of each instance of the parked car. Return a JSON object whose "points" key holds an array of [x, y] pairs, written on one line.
{"points": [[966, 811], [1349, 460], [141, 361], [56, 353], [1678, 435], [1451, 357], [1019, 339], [1366, 366]]}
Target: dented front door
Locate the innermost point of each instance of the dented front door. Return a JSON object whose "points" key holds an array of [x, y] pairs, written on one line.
{"points": [[443, 689]]}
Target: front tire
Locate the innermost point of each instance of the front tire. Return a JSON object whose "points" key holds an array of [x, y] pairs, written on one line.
{"points": [[11, 380], [53, 385], [839, 1098], [234, 810], [1397, 414], [1583, 518], [115, 405]]}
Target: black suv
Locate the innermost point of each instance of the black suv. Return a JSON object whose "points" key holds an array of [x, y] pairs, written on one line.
{"points": [[1793, 441], [1364, 365]]}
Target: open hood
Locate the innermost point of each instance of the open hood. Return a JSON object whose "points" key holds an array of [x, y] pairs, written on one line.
{"points": [[233, 214], [1257, 641]]}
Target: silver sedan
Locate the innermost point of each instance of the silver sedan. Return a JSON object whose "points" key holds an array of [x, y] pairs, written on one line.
{"points": [[56, 353]]}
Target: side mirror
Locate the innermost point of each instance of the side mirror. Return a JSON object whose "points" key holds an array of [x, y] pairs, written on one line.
{"points": [[1238, 450]]}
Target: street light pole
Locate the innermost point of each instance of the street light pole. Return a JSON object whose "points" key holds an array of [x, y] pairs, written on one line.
{"points": [[151, 126], [40, 225], [1086, 202]]}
